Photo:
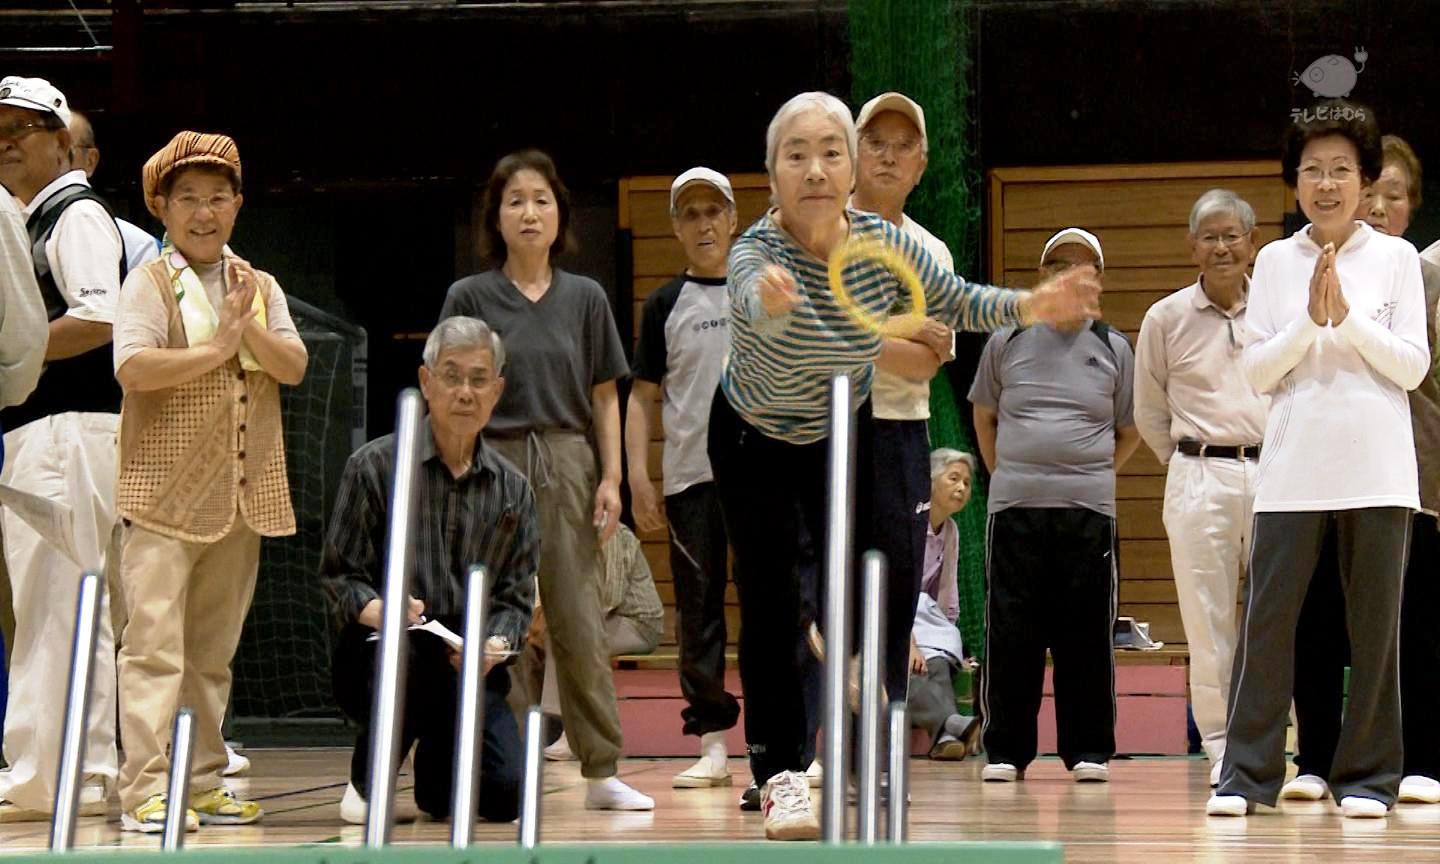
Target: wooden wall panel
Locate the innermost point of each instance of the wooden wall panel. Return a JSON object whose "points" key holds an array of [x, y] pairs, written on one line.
{"points": [[1141, 215]]}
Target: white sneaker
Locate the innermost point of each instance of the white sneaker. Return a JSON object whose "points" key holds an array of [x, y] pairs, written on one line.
{"points": [[1419, 789], [1358, 807], [1091, 772], [1227, 805], [785, 801], [1001, 772], [353, 808], [609, 793], [703, 775], [815, 774], [1215, 774], [560, 751], [1306, 787], [235, 764]]}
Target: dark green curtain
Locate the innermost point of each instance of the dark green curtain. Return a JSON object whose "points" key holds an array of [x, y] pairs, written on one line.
{"points": [[922, 48]]}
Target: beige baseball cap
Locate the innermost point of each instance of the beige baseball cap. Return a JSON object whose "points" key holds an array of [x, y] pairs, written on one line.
{"points": [[1075, 235], [892, 101]]}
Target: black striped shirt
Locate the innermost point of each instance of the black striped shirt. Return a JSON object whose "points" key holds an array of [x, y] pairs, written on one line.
{"points": [[486, 516]]}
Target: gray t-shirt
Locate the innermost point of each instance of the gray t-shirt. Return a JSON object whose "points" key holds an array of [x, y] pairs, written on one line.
{"points": [[556, 349], [684, 334], [1060, 397]]}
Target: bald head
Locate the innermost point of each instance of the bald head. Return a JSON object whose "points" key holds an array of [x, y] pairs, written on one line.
{"points": [[84, 155]]}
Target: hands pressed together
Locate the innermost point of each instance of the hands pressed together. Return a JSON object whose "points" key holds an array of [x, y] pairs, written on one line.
{"points": [[1327, 300]]}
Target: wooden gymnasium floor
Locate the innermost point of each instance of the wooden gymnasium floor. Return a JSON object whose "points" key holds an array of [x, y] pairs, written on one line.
{"points": [[1150, 812]]}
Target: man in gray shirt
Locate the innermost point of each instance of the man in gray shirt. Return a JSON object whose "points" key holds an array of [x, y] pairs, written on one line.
{"points": [[1054, 420]]}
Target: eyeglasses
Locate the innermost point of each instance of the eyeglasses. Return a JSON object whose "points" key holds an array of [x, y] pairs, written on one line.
{"points": [[901, 146], [219, 204], [1211, 240], [16, 131], [1340, 174], [453, 380]]}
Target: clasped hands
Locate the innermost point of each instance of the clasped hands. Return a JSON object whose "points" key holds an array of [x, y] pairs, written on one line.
{"points": [[1327, 300]]}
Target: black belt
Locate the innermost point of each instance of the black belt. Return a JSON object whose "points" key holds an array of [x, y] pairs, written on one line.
{"points": [[1222, 451]]}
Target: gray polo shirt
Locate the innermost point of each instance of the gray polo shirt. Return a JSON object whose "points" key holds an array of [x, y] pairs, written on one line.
{"points": [[1060, 397]]}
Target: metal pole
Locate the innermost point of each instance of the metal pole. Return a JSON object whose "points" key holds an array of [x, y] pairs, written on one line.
{"points": [[177, 800], [872, 676], [77, 710], [840, 508], [387, 714], [530, 788], [471, 715], [899, 770]]}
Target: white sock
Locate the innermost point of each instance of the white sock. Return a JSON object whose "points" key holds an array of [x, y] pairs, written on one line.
{"points": [[712, 745]]}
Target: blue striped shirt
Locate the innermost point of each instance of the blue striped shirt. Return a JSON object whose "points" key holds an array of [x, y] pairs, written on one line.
{"points": [[778, 373]]}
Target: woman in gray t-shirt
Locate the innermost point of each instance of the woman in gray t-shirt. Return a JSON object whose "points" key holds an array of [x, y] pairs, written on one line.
{"points": [[559, 408]]}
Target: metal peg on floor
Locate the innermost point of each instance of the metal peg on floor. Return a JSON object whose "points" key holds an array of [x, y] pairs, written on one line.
{"points": [[531, 784], [177, 798], [387, 711], [840, 508], [77, 710], [872, 680], [899, 771], [471, 714]]}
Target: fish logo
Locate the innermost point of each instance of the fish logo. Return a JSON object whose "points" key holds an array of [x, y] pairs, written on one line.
{"points": [[1332, 76]]}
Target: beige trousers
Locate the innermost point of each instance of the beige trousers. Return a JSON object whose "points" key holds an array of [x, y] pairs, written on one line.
{"points": [[186, 604], [561, 468]]}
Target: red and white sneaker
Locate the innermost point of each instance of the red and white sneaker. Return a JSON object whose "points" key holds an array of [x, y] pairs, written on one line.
{"points": [[785, 801]]}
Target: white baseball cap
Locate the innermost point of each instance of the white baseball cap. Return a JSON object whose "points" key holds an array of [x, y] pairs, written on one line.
{"points": [[893, 101], [703, 175], [1075, 235], [35, 94]]}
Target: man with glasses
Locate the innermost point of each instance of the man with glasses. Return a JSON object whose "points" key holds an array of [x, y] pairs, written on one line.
{"points": [[1054, 421], [474, 508], [140, 246], [892, 157], [59, 507], [1197, 410]]}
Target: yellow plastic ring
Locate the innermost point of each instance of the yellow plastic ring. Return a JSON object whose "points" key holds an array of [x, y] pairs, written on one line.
{"points": [[852, 251]]}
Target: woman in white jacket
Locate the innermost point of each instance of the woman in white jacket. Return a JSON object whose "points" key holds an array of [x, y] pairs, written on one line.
{"points": [[1338, 325]]}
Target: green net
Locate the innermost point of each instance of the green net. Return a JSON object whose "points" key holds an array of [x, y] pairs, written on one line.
{"points": [[922, 49]]}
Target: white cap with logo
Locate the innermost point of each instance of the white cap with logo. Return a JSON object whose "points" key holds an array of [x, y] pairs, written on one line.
{"points": [[707, 176], [1075, 235], [35, 94], [893, 101]]}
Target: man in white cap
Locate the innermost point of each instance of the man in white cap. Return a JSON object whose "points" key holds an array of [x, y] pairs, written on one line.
{"points": [[890, 162], [1199, 413], [61, 446], [684, 335], [1054, 421]]}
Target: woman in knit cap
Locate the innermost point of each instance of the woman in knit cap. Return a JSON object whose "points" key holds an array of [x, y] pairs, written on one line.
{"points": [[202, 343]]}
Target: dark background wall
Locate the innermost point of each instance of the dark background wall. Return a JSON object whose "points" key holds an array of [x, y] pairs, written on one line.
{"points": [[366, 134]]}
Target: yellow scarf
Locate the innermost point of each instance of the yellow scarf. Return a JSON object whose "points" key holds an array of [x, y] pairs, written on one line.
{"points": [[196, 314]]}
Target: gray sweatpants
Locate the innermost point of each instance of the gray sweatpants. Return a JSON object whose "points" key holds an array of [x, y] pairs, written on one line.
{"points": [[1372, 544]]}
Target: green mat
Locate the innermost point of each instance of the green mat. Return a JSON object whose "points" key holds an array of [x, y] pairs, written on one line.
{"points": [[695, 853]]}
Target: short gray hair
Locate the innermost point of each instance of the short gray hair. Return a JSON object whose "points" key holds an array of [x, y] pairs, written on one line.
{"points": [[943, 457], [459, 333], [810, 101], [1222, 201]]}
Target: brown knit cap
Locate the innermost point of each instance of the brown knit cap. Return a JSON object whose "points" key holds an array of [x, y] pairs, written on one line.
{"points": [[188, 148]]}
